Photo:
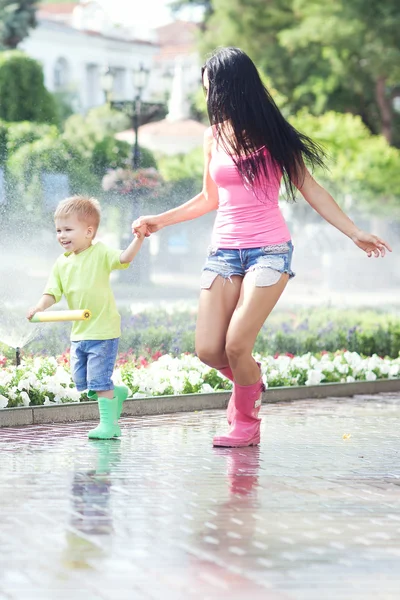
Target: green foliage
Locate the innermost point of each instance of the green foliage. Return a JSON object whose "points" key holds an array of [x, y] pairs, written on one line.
{"points": [[3, 142], [342, 56], [50, 154], [27, 132], [183, 166], [22, 91], [94, 134], [95, 125], [65, 102], [16, 19], [84, 152], [365, 332], [360, 164], [147, 159]]}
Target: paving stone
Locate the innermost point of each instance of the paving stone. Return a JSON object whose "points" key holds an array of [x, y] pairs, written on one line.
{"points": [[161, 515]]}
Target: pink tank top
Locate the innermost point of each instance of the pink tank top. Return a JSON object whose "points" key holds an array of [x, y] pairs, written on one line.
{"points": [[245, 219]]}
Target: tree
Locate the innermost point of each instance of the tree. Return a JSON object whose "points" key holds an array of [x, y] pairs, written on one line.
{"points": [[361, 166], [16, 19], [207, 6], [361, 44], [342, 56], [22, 90]]}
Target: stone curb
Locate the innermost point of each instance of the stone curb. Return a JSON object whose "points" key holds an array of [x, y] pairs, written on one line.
{"points": [[87, 411]]}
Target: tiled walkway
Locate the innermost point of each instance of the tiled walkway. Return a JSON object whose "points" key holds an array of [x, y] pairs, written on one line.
{"points": [[160, 514]]}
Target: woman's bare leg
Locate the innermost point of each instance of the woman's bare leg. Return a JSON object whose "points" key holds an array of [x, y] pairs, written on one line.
{"points": [[216, 306], [253, 307]]}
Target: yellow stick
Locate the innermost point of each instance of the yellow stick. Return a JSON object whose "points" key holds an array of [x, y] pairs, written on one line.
{"points": [[61, 315]]}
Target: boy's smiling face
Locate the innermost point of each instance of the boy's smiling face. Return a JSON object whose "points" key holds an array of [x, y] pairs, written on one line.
{"points": [[74, 235]]}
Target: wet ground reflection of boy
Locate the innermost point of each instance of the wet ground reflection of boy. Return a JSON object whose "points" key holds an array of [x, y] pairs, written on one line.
{"points": [[91, 516]]}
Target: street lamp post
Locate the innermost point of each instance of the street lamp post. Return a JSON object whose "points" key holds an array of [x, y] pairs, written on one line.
{"points": [[132, 108], [140, 79], [107, 83]]}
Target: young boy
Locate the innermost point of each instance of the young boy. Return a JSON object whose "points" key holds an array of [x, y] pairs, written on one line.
{"points": [[82, 275]]}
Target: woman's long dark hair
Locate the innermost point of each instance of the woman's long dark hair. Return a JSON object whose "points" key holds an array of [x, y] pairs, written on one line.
{"points": [[237, 95]]}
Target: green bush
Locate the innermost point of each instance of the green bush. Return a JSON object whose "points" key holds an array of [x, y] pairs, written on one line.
{"points": [[26, 132], [22, 90], [364, 332], [3, 143], [183, 167], [98, 123], [360, 164], [51, 154]]}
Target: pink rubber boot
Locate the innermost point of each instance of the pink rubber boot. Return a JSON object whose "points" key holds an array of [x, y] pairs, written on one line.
{"points": [[245, 429], [230, 411]]}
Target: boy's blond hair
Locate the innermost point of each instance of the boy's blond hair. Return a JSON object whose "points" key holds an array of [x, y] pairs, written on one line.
{"points": [[86, 208]]}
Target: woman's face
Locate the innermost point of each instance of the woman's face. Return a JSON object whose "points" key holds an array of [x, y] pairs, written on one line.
{"points": [[206, 83]]}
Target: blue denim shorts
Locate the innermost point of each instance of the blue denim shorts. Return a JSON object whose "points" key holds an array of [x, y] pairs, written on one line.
{"points": [[268, 263], [92, 364]]}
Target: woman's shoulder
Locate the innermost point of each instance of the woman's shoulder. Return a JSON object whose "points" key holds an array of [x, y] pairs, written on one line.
{"points": [[209, 133]]}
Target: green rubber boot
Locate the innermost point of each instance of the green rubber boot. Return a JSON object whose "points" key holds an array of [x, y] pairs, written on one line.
{"points": [[108, 426], [121, 392]]}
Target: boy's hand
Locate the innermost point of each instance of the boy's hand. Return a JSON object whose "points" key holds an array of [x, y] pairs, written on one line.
{"points": [[151, 222], [140, 232], [31, 312]]}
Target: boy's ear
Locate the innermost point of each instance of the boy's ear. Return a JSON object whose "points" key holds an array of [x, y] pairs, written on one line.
{"points": [[90, 231]]}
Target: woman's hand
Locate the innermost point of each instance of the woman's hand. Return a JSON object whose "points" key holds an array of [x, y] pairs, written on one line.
{"points": [[151, 222], [371, 244]]}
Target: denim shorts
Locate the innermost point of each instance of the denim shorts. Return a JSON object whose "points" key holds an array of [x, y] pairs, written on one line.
{"points": [[268, 263], [92, 364]]}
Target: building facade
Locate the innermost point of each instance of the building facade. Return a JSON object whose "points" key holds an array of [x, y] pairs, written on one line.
{"points": [[76, 45]]}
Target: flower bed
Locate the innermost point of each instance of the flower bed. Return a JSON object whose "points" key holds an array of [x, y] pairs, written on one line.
{"points": [[365, 332], [48, 380]]}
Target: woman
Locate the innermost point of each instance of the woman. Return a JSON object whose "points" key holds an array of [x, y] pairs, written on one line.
{"points": [[248, 150]]}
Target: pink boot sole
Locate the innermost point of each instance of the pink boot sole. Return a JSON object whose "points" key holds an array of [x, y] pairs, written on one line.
{"points": [[225, 442]]}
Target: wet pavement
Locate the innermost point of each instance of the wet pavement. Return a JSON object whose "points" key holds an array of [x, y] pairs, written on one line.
{"points": [[160, 514]]}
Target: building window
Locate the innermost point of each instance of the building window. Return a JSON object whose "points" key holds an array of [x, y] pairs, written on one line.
{"points": [[61, 74], [92, 85], [119, 90]]}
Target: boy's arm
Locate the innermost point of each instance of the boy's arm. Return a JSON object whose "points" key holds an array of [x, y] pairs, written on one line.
{"points": [[52, 293], [45, 302], [130, 252]]}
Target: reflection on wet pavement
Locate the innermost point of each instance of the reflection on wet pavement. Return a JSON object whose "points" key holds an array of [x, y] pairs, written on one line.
{"points": [[160, 514]]}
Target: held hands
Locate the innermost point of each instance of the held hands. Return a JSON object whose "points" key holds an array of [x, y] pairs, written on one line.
{"points": [[140, 232], [371, 244], [149, 223]]}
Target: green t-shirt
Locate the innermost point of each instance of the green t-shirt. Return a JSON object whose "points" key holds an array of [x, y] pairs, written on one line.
{"points": [[84, 280]]}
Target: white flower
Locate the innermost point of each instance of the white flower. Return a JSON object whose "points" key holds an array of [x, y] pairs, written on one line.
{"points": [[273, 374], [62, 376], [384, 368], [394, 370], [206, 388], [350, 379], [194, 378], [3, 401], [314, 377], [370, 376], [25, 398]]}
